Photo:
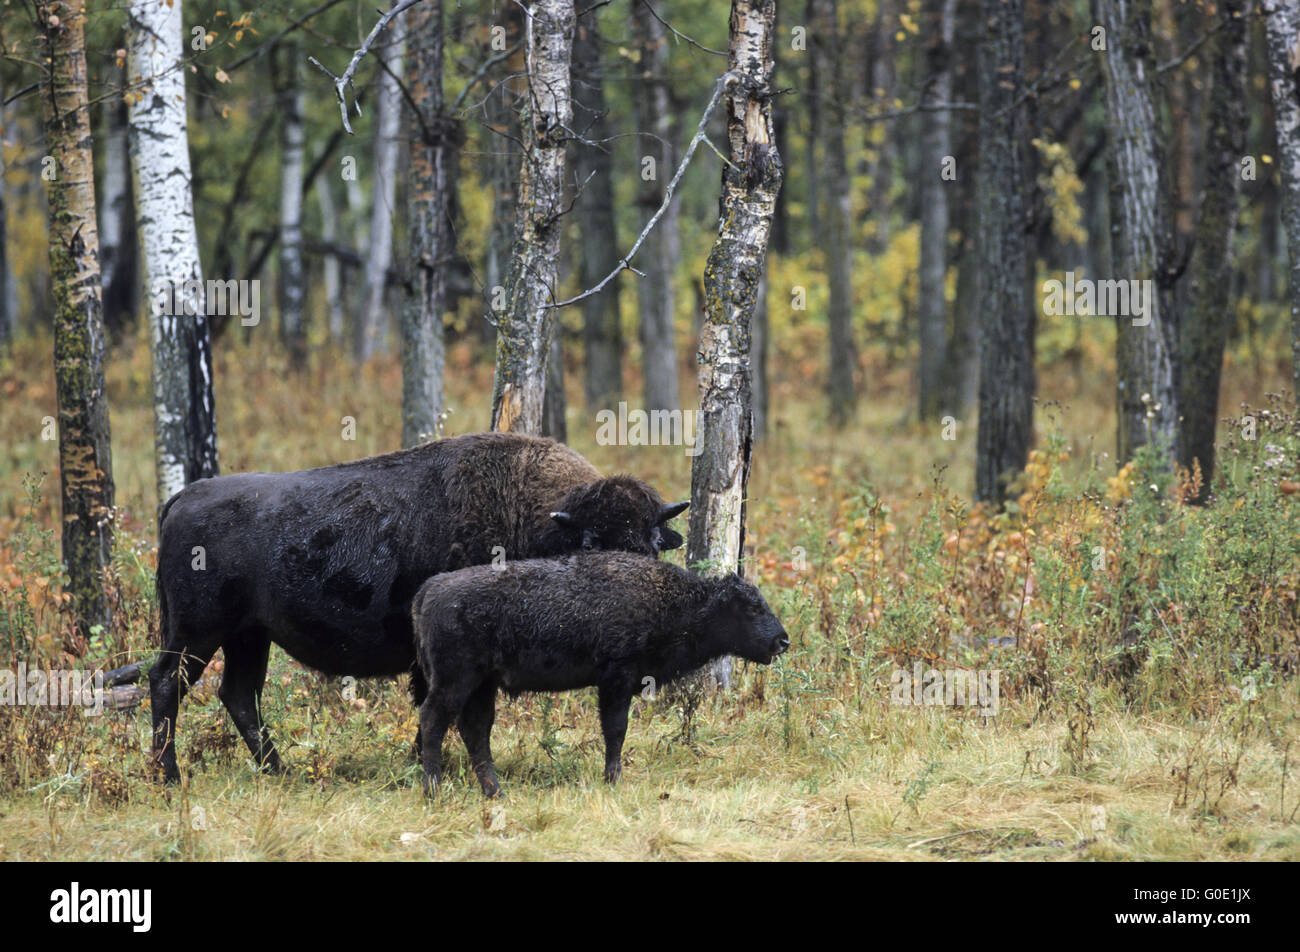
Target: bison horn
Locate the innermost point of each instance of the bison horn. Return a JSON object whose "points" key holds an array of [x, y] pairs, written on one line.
{"points": [[672, 509], [563, 518]]}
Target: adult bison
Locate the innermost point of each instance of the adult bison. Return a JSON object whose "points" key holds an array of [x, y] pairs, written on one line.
{"points": [[325, 562]]}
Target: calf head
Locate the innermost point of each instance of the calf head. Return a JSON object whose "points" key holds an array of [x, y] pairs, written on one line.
{"points": [[618, 513], [745, 623]]}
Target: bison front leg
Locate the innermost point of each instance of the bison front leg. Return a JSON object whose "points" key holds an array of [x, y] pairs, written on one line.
{"points": [[614, 703], [475, 726], [241, 693]]}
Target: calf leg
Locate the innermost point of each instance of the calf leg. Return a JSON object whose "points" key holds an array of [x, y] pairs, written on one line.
{"points": [[169, 681], [241, 692], [614, 703], [435, 718], [419, 691], [475, 726]]}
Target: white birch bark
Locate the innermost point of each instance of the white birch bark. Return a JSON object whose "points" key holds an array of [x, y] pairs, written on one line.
{"points": [[1282, 26], [373, 321], [184, 427]]}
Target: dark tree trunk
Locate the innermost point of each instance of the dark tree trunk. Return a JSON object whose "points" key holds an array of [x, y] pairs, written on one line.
{"points": [[1205, 334], [434, 137], [720, 471], [939, 17], [1007, 319], [85, 457], [524, 329], [1145, 353], [8, 315], [599, 249], [555, 406], [118, 252], [659, 255], [831, 48], [813, 107]]}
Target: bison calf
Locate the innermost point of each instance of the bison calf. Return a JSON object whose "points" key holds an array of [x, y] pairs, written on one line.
{"points": [[612, 620]]}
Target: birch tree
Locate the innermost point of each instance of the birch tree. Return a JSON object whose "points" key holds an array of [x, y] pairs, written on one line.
{"points": [[185, 436], [524, 325], [1006, 379], [85, 456], [433, 136], [732, 275], [1282, 27], [655, 298], [388, 127], [291, 283], [1146, 345]]}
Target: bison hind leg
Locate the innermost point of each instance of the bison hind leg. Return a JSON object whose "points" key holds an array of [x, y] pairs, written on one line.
{"points": [[241, 693], [475, 726], [177, 667]]}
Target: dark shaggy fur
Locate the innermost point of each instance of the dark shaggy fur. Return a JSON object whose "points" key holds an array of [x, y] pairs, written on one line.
{"points": [[324, 562], [604, 619]]}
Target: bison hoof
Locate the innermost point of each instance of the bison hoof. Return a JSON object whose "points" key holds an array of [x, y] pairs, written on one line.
{"points": [[613, 772]]}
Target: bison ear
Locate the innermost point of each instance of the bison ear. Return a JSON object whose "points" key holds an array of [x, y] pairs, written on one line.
{"points": [[669, 539], [670, 510], [564, 519]]}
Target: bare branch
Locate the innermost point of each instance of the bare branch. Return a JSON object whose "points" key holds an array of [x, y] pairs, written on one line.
{"points": [[625, 264], [344, 82], [678, 33]]}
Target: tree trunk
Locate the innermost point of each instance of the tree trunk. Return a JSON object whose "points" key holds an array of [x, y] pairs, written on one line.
{"points": [[555, 406], [433, 136], [333, 271], [1007, 320], [659, 255], [85, 457], [373, 321], [882, 88], [185, 435], [939, 17], [524, 328], [1148, 401], [117, 235], [292, 283], [841, 388], [961, 359], [732, 275], [599, 252], [1205, 334], [8, 313], [816, 131], [1282, 25]]}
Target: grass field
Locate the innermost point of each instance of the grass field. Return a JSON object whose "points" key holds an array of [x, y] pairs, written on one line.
{"points": [[1146, 652]]}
